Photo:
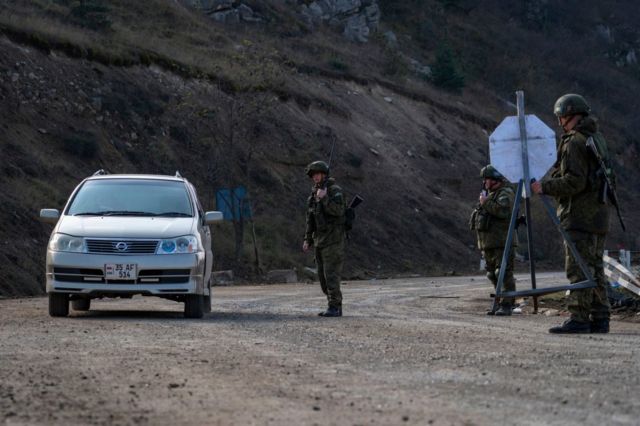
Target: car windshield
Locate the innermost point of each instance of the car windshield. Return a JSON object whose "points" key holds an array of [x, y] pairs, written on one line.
{"points": [[132, 197]]}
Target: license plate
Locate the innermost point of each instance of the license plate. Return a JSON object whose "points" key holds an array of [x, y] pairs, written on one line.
{"points": [[121, 271]]}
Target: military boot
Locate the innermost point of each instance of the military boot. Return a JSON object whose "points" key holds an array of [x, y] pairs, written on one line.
{"points": [[600, 325], [571, 326], [504, 311], [332, 312]]}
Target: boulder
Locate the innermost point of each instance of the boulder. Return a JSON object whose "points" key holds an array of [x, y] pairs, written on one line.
{"points": [[230, 16], [310, 273], [227, 11], [390, 39], [356, 29], [356, 19], [222, 277], [419, 68], [372, 13]]}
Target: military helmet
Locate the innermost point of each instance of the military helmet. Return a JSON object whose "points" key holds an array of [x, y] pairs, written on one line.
{"points": [[490, 172], [571, 104], [317, 166]]}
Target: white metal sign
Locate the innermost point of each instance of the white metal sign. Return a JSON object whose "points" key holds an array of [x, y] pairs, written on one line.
{"points": [[505, 148]]}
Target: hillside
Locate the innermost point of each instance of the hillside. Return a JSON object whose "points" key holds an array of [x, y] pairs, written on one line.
{"points": [[159, 86]]}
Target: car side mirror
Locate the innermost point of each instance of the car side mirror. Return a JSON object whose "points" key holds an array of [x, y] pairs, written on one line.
{"points": [[213, 216], [49, 215]]}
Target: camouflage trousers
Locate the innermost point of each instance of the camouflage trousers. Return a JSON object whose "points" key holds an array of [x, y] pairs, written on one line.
{"points": [[329, 261], [493, 258], [590, 301]]}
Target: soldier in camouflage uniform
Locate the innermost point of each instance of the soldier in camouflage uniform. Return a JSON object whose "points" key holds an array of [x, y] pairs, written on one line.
{"points": [[326, 233], [490, 220], [576, 183]]}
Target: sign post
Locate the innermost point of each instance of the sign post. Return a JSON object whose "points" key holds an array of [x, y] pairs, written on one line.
{"points": [[527, 192], [522, 148]]}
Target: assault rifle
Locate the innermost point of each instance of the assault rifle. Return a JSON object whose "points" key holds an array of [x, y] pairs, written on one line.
{"points": [[608, 189], [355, 202], [326, 178]]}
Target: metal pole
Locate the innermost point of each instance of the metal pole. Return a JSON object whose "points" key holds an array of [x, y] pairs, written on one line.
{"points": [[507, 246], [532, 262], [527, 191]]}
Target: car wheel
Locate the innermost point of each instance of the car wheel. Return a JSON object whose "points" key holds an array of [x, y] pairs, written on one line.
{"points": [[81, 304], [207, 301], [194, 306], [58, 304]]}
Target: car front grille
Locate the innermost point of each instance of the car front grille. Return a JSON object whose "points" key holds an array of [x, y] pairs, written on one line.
{"points": [[122, 246], [149, 276]]}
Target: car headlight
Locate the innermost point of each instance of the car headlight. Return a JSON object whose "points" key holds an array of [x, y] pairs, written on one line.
{"points": [[64, 242], [180, 245]]}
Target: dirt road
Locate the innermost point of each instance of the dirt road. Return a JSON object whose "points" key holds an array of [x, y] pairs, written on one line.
{"points": [[415, 352]]}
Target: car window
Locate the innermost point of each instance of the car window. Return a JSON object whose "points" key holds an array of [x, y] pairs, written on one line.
{"points": [[132, 197]]}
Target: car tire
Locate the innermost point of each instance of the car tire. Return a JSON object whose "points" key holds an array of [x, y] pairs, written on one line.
{"points": [[194, 306], [81, 304], [207, 301], [58, 304], [207, 304]]}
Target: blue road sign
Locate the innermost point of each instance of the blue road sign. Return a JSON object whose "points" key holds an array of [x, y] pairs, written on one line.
{"points": [[233, 203]]}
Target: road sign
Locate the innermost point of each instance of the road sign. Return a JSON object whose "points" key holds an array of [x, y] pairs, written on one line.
{"points": [[233, 203], [505, 148]]}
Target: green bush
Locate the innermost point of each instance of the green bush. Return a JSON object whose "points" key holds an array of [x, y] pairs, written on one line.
{"points": [[444, 71]]}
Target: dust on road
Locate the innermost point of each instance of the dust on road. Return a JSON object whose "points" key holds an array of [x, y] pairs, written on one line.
{"points": [[415, 352]]}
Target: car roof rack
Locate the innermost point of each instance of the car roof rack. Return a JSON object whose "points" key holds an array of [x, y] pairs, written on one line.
{"points": [[100, 172]]}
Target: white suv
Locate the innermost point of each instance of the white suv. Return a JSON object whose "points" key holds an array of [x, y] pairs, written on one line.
{"points": [[122, 235]]}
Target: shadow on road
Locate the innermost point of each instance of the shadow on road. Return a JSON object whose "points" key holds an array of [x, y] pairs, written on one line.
{"points": [[128, 315], [138, 315]]}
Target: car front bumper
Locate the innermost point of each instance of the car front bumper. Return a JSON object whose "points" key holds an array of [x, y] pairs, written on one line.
{"points": [[159, 275]]}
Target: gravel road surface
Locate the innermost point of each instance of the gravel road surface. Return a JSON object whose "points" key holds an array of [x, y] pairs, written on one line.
{"points": [[408, 352]]}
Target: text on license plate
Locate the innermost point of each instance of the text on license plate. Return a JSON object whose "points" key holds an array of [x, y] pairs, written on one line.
{"points": [[121, 271]]}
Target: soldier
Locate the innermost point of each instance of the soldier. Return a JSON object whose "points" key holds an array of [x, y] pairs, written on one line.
{"points": [[490, 220], [576, 183], [326, 233]]}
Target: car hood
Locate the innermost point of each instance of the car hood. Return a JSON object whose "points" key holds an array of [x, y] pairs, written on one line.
{"points": [[125, 227]]}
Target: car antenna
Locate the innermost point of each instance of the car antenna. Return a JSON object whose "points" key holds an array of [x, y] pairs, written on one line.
{"points": [[101, 172], [178, 174]]}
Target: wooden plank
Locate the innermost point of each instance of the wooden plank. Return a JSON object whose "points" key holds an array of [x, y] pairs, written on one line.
{"points": [[621, 274], [617, 265], [623, 282]]}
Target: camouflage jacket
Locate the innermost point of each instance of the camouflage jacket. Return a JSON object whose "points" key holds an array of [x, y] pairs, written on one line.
{"points": [[576, 183], [491, 219], [325, 218]]}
